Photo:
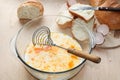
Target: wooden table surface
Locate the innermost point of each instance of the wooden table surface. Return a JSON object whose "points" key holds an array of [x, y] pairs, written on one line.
{"points": [[12, 69]]}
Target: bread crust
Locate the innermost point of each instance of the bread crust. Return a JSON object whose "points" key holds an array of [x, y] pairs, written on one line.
{"points": [[96, 2], [36, 3]]}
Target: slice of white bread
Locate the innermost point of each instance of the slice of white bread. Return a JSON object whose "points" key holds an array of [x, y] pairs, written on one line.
{"points": [[64, 19], [85, 14], [30, 10], [78, 29]]}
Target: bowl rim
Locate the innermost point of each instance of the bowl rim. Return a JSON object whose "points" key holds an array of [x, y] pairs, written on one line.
{"points": [[25, 25]]}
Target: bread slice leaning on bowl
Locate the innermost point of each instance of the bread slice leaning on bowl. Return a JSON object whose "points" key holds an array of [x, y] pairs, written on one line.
{"points": [[77, 31]]}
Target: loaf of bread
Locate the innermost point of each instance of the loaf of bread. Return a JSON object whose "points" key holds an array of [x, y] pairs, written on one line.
{"points": [[96, 2], [29, 10], [112, 19]]}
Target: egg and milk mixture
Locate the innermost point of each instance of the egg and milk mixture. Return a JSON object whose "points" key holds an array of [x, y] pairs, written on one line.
{"points": [[51, 58]]}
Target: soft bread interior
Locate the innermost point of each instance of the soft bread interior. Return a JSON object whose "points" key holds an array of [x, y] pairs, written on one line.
{"points": [[64, 19], [78, 28], [85, 14], [30, 10]]}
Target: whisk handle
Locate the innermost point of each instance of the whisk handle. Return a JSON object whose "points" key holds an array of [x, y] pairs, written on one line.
{"points": [[87, 56]]}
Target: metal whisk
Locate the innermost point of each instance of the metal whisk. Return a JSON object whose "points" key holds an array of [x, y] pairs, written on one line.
{"points": [[42, 37]]}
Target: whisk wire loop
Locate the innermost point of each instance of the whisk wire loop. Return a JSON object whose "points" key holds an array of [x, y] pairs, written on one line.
{"points": [[42, 36]]}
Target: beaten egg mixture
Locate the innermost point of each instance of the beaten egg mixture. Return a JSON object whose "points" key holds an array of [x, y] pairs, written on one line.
{"points": [[51, 58]]}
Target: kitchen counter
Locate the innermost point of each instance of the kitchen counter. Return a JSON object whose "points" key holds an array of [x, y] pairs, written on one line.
{"points": [[12, 69]]}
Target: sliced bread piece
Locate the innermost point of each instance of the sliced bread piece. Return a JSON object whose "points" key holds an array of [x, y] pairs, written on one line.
{"points": [[64, 19], [84, 14], [78, 29]]}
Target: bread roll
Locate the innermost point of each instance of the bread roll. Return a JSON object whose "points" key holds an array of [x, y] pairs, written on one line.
{"points": [[112, 19], [30, 10], [84, 14]]}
